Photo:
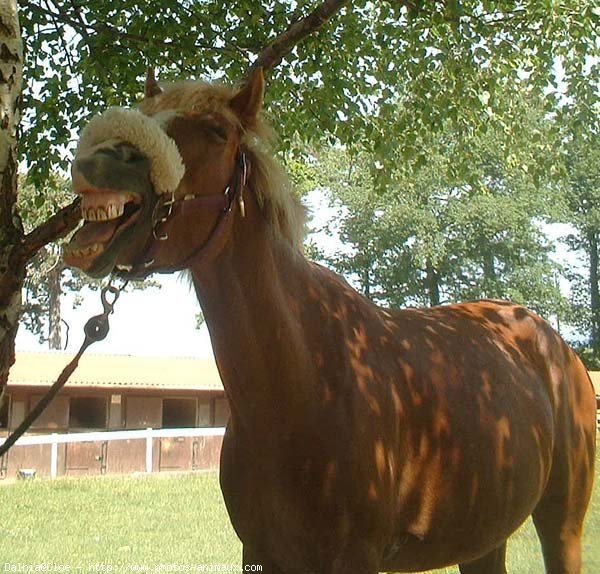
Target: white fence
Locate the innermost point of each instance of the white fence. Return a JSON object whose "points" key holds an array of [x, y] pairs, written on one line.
{"points": [[148, 434]]}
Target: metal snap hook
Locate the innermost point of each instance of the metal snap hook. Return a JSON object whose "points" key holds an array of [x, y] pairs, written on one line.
{"points": [[97, 327], [106, 303]]}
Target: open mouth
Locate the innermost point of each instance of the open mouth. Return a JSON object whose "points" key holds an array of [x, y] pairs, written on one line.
{"points": [[107, 214]]}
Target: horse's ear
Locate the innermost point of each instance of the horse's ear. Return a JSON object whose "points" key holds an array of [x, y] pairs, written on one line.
{"points": [[151, 88], [248, 101]]}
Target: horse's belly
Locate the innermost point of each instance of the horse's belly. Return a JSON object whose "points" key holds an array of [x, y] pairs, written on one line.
{"points": [[443, 494], [455, 512], [413, 555]]}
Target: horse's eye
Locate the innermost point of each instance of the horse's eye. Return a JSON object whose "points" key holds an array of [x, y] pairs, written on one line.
{"points": [[217, 130]]}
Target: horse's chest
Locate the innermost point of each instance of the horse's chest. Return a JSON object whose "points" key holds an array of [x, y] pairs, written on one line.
{"points": [[267, 504]]}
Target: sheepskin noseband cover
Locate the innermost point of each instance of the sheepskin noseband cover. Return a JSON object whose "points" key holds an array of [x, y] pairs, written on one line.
{"points": [[146, 135]]}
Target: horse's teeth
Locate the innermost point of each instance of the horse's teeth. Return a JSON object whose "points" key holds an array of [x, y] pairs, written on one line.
{"points": [[91, 214], [88, 251], [111, 211]]}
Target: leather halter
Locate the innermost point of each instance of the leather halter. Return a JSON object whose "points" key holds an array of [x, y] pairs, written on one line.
{"points": [[168, 209]]}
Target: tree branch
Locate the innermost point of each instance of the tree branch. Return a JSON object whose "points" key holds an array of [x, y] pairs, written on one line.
{"points": [[100, 27], [274, 52], [56, 227]]}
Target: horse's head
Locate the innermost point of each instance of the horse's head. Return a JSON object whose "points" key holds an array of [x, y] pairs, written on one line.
{"points": [[178, 155]]}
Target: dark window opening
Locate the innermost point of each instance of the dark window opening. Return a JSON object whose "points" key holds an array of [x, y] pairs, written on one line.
{"points": [[179, 413], [222, 412], [4, 410], [88, 412]]}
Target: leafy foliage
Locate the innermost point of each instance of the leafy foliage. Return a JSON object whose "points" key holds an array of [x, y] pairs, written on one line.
{"points": [[582, 164], [436, 238], [381, 74]]}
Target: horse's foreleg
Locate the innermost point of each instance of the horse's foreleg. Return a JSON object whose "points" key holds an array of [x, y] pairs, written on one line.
{"points": [[491, 563]]}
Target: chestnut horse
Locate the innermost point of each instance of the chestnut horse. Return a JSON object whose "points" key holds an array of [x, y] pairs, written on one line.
{"points": [[361, 439]]}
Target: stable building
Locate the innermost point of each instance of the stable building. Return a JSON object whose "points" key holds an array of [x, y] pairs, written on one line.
{"points": [[110, 392], [116, 393]]}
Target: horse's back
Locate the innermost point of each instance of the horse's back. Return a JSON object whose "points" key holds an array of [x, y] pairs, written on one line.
{"points": [[505, 342]]}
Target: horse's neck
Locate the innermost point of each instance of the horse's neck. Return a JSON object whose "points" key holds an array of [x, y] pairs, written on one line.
{"points": [[250, 299]]}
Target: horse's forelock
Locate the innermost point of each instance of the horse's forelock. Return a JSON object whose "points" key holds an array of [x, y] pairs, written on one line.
{"points": [[193, 97]]}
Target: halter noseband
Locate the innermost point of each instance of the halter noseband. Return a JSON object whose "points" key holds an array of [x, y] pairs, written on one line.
{"points": [[168, 209]]}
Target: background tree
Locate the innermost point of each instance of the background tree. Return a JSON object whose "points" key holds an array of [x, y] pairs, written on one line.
{"points": [[582, 162], [396, 72], [43, 284], [435, 237]]}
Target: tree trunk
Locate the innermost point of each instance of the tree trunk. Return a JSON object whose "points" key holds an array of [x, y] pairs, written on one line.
{"points": [[12, 267], [489, 275], [592, 238], [433, 284], [54, 317], [366, 280]]}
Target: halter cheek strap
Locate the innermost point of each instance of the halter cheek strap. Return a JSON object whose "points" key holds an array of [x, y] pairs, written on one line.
{"points": [[168, 210]]}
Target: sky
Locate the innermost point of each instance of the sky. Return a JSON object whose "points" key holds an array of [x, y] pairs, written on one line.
{"points": [[162, 322], [152, 322]]}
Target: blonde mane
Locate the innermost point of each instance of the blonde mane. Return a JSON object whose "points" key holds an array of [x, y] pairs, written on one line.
{"points": [[271, 185]]}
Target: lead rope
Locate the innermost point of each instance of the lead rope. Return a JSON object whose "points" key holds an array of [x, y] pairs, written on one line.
{"points": [[95, 329]]}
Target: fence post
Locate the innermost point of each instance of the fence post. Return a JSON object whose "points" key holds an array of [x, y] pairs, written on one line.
{"points": [[54, 456], [149, 441]]}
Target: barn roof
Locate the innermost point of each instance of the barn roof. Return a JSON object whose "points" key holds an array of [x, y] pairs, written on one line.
{"points": [[116, 372], [128, 372]]}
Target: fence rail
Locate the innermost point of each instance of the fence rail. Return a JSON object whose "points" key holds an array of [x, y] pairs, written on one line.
{"points": [[105, 437]]}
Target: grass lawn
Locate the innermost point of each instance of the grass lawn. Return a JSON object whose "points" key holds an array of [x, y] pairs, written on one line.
{"points": [[156, 520]]}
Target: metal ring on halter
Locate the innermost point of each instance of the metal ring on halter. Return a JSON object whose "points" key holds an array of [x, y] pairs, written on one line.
{"points": [[162, 237], [160, 205], [163, 219], [169, 204], [114, 291]]}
